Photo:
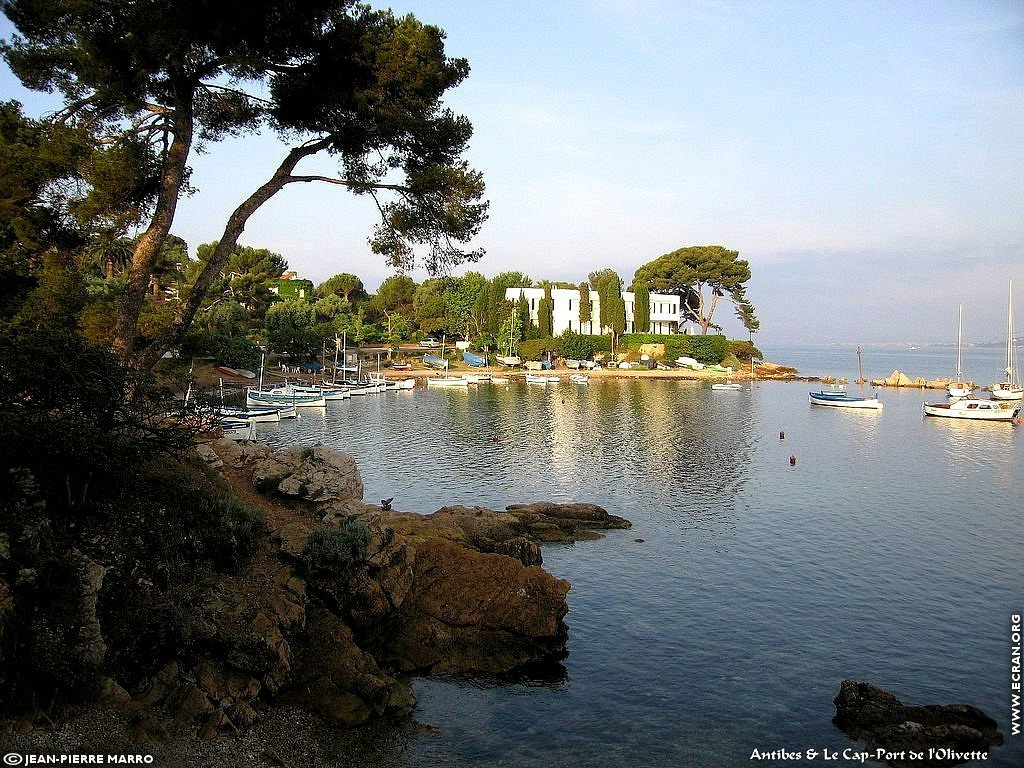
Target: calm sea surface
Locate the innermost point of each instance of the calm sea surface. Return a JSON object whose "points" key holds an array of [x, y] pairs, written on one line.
{"points": [[892, 552]]}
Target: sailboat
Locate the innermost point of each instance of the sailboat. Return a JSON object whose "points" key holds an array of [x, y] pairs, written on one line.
{"points": [[959, 388], [510, 360], [843, 399], [446, 380], [1010, 389]]}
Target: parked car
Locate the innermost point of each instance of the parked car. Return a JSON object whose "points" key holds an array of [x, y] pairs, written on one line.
{"points": [[430, 343]]}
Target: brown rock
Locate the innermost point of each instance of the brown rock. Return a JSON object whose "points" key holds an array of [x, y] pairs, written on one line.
{"points": [[472, 611], [868, 713]]}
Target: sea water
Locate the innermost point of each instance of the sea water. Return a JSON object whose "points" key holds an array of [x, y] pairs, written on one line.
{"points": [[748, 589]]}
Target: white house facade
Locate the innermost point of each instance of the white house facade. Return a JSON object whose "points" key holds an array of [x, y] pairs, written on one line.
{"points": [[665, 310]]}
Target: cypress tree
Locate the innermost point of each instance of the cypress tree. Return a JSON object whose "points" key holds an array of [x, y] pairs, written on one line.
{"points": [[641, 309], [586, 307]]}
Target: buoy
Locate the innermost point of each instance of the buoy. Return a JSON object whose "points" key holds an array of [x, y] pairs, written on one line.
{"points": [[782, 435], [494, 438], [792, 461]]}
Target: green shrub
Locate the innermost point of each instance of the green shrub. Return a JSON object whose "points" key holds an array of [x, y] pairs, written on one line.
{"points": [[744, 350], [235, 533], [236, 352], [337, 548], [575, 346]]}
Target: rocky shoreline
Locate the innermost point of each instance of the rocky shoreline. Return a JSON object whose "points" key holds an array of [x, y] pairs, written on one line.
{"points": [[343, 602]]}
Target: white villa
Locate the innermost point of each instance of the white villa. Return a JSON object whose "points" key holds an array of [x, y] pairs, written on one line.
{"points": [[665, 311]]}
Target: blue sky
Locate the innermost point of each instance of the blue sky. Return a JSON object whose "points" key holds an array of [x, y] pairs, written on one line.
{"points": [[866, 158]]}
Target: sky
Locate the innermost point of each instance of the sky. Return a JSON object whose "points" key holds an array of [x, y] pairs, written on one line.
{"points": [[866, 158]]}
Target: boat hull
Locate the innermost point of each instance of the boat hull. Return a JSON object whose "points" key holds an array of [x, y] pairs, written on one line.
{"points": [[447, 381], [974, 409], [1003, 392], [256, 397], [844, 401]]}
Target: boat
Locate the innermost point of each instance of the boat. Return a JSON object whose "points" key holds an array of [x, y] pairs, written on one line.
{"points": [[237, 429], [841, 398], [242, 373], [970, 407], [1010, 389], [579, 378], [726, 385], [958, 387], [379, 380], [327, 391], [434, 361], [473, 360], [689, 362], [447, 381], [401, 366], [252, 415], [536, 378], [574, 364], [509, 361], [254, 396]]}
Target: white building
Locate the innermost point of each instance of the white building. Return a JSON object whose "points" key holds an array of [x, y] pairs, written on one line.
{"points": [[666, 316]]}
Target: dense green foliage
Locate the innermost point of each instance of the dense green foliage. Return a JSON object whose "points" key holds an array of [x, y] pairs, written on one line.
{"points": [[641, 309], [701, 276], [147, 84], [338, 548]]}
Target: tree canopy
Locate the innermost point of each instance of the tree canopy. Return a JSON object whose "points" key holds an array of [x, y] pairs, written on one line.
{"points": [[152, 82], [701, 275]]}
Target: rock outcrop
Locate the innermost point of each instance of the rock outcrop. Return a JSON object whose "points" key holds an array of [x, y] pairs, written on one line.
{"points": [[942, 735], [342, 598]]}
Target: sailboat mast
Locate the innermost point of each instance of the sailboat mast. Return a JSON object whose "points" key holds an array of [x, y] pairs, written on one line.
{"points": [[959, 334], [1009, 338]]}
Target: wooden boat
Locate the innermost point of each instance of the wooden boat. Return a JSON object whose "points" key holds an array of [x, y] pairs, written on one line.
{"points": [[689, 362], [237, 429], [252, 415], [402, 366], [958, 387], [327, 391], [254, 396], [1011, 388], [239, 372], [971, 407], [841, 398], [447, 381], [435, 362]]}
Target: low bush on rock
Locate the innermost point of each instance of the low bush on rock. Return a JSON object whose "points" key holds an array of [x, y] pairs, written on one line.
{"points": [[339, 548]]}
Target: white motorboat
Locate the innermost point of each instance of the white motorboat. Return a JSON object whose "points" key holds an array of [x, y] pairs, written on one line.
{"points": [[726, 385], [579, 378], [970, 407]]}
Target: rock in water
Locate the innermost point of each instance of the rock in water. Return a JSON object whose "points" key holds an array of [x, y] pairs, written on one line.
{"points": [[944, 735]]}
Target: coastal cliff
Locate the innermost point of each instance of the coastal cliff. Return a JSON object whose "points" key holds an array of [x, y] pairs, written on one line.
{"points": [[339, 602]]}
